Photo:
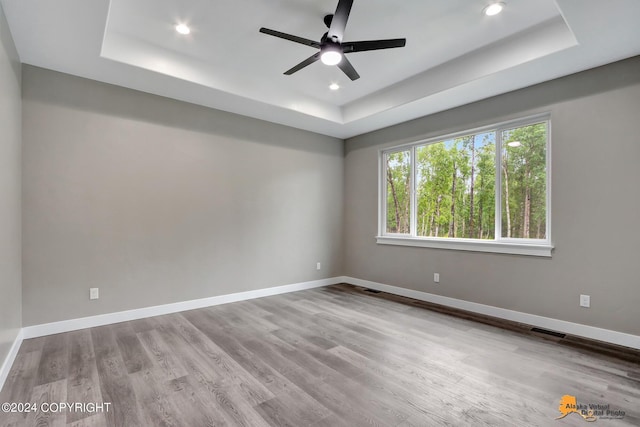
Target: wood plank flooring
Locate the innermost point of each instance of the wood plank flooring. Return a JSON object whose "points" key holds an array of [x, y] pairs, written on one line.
{"points": [[333, 356]]}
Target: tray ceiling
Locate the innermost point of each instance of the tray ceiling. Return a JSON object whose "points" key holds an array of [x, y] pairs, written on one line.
{"points": [[454, 53]]}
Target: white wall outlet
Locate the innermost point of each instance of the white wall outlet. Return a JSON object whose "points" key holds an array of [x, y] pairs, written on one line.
{"points": [[585, 301], [94, 293], [436, 277], [318, 266]]}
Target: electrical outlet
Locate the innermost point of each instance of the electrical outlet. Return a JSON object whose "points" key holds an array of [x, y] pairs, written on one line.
{"points": [[94, 293], [436, 277], [585, 301], [318, 266]]}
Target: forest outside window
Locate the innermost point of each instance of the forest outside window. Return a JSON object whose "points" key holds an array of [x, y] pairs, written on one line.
{"points": [[482, 190]]}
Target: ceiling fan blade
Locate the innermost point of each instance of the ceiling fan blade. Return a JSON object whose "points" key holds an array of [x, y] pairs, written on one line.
{"points": [[348, 69], [290, 37], [310, 60], [372, 45], [339, 21]]}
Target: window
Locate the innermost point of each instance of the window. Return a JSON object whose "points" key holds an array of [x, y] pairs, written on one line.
{"points": [[482, 190]]}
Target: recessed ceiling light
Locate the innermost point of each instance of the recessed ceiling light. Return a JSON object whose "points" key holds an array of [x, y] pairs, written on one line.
{"points": [[334, 86], [183, 29], [514, 144], [493, 9]]}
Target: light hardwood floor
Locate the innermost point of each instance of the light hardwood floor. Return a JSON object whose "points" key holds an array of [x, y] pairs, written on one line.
{"points": [[334, 356]]}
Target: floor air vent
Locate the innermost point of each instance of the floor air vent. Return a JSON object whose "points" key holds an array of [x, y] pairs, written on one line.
{"points": [[547, 332], [373, 291]]}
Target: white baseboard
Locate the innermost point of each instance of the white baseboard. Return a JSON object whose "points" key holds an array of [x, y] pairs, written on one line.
{"points": [[606, 335], [11, 357], [592, 332], [123, 316]]}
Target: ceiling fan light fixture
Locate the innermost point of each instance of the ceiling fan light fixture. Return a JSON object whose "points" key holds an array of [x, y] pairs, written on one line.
{"points": [[494, 8], [331, 57], [334, 86], [183, 29]]}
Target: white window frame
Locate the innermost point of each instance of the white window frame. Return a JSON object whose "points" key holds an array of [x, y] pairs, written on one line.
{"points": [[533, 247]]}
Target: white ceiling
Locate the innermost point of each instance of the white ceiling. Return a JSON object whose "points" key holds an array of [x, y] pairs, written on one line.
{"points": [[454, 54]]}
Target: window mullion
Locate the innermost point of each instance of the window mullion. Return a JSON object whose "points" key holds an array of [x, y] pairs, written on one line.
{"points": [[382, 198], [548, 182], [413, 228], [498, 185]]}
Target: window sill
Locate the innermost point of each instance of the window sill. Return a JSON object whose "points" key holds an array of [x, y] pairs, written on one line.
{"points": [[531, 249]]}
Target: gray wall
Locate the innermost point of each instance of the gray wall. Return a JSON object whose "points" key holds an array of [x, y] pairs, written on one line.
{"points": [[10, 216], [157, 201], [595, 206]]}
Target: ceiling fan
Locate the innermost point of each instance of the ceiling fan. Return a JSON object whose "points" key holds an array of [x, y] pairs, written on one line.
{"points": [[332, 49]]}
